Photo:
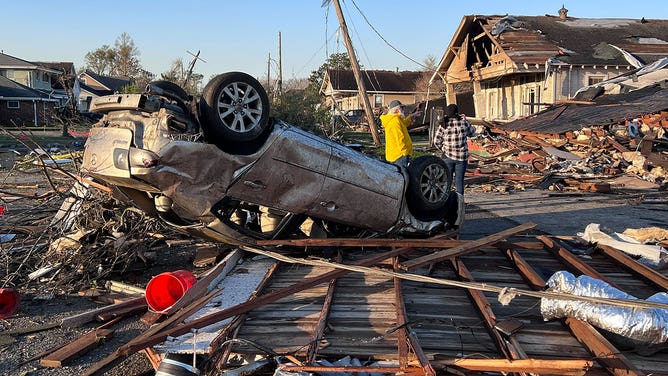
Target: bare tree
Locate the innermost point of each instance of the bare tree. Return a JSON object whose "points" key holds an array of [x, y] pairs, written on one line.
{"points": [[126, 59]]}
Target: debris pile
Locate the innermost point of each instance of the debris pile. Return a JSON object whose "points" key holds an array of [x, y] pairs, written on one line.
{"points": [[591, 159]]}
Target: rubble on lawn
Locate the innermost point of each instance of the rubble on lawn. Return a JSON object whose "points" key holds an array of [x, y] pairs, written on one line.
{"points": [[591, 159]]}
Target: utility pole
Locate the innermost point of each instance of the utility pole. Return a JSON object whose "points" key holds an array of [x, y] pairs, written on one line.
{"points": [[280, 67], [268, 72], [356, 72]]}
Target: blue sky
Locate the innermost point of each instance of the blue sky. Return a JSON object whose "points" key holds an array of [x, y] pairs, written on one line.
{"points": [[239, 35]]}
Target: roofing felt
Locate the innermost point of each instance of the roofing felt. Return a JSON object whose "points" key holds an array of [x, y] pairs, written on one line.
{"points": [[114, 84], [608, 109], [534, 39], [13, 89], [375, 80]]}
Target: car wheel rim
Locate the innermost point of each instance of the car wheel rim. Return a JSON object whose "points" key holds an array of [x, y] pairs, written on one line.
{"points": [[434, 184], [240, 107]]}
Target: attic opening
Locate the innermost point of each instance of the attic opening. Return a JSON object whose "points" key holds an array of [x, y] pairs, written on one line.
{"points": [[479, 49]]}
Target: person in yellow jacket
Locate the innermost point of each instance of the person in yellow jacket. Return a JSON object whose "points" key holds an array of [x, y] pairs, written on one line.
{"points": [[398, 144]]}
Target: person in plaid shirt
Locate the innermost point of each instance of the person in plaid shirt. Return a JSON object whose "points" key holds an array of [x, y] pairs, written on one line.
{"points": [[450, 140]]}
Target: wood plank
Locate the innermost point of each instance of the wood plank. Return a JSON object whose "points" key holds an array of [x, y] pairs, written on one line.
{"points": [[471, 246], [640, 270], [355, 242], [319, 329], [572, 260], [75, 348], [82, 318], [533, 366], [407, 337]]}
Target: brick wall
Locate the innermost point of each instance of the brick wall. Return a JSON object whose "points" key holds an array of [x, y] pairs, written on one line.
{"points": [[25, 114]]}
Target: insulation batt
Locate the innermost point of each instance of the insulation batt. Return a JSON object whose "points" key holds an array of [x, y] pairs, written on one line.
{"points": [[646, 326]]}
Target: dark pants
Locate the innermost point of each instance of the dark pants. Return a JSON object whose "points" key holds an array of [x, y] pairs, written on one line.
{"points": [[458, 168]]}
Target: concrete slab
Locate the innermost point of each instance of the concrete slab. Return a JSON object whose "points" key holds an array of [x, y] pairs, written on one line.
{"points": [[563, 214]]}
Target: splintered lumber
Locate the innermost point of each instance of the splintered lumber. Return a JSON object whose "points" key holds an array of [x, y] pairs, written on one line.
{"points": [[532, 366], [160, 332], [463, 249], [82, 318], [637, 268], [75, 348]]}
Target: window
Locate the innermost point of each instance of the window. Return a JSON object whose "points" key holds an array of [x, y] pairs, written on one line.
{"points": [[377, 100], [13, 104], [593, 80]]}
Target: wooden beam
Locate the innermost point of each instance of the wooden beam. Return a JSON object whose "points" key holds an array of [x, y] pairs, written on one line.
{"points": [[605, 352], [351, 369], [485, 310], [408, 337], [82, 318], [471, 246], [532, 366], [572, 260], [75, 348], [319, 329], [352, 242], [640, 270]]}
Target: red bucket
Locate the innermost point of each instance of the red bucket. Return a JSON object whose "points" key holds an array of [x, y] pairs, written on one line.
{"points": [[165, 289], [9, 302]]}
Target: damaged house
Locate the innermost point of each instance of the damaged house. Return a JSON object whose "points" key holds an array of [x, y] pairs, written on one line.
{"points": [[340, 88], [507, 67]]}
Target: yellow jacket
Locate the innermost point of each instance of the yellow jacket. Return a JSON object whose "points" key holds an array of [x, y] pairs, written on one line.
{"points": [[397, 141]]}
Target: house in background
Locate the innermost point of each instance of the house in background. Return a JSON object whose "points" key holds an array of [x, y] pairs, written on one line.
{"points": [[382, 87], [41, 76], [93, 85], [508, 67], [21, 105]]}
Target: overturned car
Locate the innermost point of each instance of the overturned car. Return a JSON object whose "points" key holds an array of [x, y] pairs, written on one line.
{"points": [[219, 167]]}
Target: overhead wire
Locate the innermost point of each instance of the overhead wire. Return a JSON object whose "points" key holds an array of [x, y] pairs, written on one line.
{"points": [[384, 39]]}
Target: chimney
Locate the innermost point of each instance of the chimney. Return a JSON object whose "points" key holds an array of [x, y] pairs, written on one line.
{"points": [[563, 13]]}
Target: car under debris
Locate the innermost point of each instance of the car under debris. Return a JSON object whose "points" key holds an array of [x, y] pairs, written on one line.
{"points": [[219, 167]]}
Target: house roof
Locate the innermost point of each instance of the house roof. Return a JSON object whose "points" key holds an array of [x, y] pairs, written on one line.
{"points": [[13, 90], [375, 81], [66, 67], [589, 41], [114, 84], [533, 40], [8, 61], [97, 92]]}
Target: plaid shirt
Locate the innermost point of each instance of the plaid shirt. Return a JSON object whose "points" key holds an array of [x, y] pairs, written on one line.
{"points": [[451, 139]]}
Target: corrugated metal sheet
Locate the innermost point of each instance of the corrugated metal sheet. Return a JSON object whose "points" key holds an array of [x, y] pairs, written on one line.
{"points": [[607, 110]]}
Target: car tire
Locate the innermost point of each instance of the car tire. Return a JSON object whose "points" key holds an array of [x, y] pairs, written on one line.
{"points": [[172, 88], [234, 108], [429, 185]]}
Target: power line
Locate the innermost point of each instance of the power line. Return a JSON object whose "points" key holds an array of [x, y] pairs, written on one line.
{"points": [[383, 38]]}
